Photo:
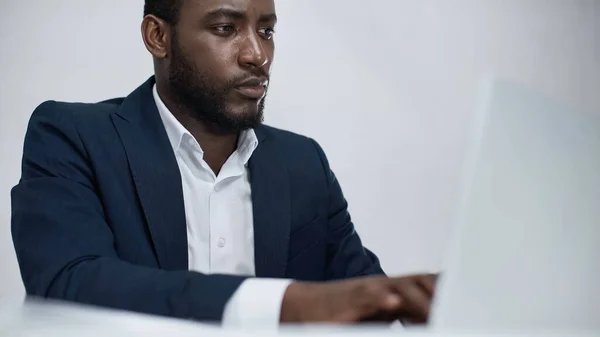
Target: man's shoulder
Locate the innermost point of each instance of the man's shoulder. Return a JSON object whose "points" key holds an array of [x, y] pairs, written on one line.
{"points": [[289, 141], [297, 149], [78, 110], [283, 135], [88, 118]]}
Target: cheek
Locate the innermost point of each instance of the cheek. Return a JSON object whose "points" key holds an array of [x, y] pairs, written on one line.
{"points": [[221, 66], [214, 55]]}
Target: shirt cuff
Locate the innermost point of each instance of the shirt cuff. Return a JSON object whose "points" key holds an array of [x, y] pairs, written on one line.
{"points": [[256, 303]]}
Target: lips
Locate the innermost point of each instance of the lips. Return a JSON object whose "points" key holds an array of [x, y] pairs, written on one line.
{"points": [[252, 92], [254, 88]]}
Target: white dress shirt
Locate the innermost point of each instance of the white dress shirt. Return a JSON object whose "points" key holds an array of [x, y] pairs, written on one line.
{"points": [[220, 229]]}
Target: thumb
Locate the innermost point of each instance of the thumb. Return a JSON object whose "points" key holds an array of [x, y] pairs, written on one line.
{"points": [[390, 301], [384, 308], [385, 300]]}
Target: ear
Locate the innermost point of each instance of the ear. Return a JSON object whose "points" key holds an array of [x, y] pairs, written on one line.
{"points": [[157, 36]]}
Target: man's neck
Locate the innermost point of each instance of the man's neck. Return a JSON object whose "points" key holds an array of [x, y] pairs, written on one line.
{"points": [[217, 147]]}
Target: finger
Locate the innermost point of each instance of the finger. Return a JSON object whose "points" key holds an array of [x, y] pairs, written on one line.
{"points": [[375, 296], [390, 302], [380, 317], [416, 302], [428, 283], [382, 301], [385, 308]]}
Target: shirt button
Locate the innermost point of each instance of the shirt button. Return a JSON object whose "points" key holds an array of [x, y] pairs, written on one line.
{"points": [[221, 242]]}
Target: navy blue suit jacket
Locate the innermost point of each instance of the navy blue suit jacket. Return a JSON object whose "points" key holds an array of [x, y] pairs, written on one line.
{"points": [[98, 214]]}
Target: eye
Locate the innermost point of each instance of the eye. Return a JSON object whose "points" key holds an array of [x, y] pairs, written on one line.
{"points": [[224, 29], [267, 32]]}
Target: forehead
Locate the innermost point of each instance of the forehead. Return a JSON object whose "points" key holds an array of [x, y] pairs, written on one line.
{"points": [[252, 8]]}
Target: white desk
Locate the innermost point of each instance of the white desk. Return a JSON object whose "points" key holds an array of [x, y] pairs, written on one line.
{"points": [[47, 319]]}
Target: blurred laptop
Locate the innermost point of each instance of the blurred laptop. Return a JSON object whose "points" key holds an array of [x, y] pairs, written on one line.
{"points": [[527, 248]]}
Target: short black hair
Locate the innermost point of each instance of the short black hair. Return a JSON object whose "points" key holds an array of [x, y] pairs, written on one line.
{"points": [[167, 10]]}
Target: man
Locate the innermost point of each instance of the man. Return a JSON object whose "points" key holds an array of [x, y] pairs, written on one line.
{"points": [[176, 201]]}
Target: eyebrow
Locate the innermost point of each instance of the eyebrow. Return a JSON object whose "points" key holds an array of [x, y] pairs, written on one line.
{"points": [[268, 18], [237, 15]]}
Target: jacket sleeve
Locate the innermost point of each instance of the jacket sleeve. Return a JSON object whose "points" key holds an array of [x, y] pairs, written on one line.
{"points": [[347, 257], [65, 247]]}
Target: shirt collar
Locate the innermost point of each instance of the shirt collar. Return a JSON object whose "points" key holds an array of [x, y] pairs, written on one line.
{"points": [[177, 133]]}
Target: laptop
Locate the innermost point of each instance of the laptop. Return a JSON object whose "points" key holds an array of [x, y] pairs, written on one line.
{"points": [[527, 249]]}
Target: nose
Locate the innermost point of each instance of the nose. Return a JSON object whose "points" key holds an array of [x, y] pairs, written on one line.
{"points": [[252, 52]]}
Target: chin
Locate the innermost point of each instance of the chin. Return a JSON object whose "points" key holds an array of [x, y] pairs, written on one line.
{"points": [[247, 110]]}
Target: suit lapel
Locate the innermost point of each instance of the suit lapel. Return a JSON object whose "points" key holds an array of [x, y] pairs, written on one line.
{"points": [[158, 183], [269, 180], [156, 175]]}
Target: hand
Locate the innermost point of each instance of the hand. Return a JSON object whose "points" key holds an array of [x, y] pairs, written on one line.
{"points": [[372, 298]]}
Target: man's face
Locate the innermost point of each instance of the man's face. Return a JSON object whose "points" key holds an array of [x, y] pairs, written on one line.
{"points": [[220, 59]]}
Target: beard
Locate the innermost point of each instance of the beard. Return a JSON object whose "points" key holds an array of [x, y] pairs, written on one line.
{"points": [[204, 100]]}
